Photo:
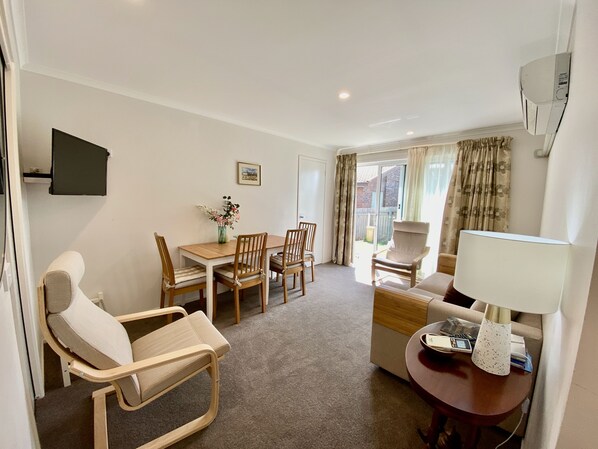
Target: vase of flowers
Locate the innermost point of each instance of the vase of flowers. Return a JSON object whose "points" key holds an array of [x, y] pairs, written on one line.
{"points": [[225, 218]]}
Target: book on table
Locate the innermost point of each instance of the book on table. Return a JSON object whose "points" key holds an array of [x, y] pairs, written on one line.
{"points": [[520, 358], [518, 351]]}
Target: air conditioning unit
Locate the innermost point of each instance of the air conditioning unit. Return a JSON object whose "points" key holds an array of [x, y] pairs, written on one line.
{"points": [[544, 85]]}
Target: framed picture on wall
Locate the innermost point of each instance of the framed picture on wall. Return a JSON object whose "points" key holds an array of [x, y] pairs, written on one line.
{"points": [[249, 174]]}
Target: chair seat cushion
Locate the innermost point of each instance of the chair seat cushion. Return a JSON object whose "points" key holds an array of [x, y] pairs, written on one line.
{"points": [[228, 271], [185, 276], [191, 330], [309, 255], [276, 260], [391, 263]]}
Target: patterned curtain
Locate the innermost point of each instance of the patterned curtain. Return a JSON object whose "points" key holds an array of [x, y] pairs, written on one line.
{"points": [[480, 190], [414, 183], [344, 209]]}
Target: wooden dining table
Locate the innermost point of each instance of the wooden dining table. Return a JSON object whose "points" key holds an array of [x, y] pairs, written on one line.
{"points": [[212, 254]]}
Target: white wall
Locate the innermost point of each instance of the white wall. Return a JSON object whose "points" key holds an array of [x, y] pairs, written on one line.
{"points": [[581, 413], [163, 163], [571, 213], [18, 425], [528, 178]]}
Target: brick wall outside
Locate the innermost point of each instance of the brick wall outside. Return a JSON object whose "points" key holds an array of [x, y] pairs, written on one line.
{"points": [[390, 189]]}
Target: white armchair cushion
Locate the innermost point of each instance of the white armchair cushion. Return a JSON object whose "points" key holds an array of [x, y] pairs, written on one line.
{"points": [[62, 280], [182, 333], [88, 331]]}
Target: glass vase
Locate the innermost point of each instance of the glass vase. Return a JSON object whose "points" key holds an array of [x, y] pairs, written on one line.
{"points": [[222, 234]]}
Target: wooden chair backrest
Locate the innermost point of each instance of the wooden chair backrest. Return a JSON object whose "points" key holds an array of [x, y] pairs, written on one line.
{"points": [[294, 247], [311, 234], [167, 268], [250, 255]]}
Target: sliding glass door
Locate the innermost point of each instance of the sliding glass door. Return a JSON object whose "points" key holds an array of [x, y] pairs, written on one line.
{"points": [[378, 202]]}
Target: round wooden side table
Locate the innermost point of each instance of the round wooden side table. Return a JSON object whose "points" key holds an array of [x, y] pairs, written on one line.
{"points": [[459, 390]]}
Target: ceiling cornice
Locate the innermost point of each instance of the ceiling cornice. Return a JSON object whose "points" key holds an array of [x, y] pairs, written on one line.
{"points": [[69, 77]]}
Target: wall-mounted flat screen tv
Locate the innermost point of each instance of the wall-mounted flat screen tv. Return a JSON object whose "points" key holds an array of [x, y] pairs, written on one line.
{"points": [[78, 167]]}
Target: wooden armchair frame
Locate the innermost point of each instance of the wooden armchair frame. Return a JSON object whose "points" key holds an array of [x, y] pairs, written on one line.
{"points": [[392, 267], [408, 238], [84, 370]]}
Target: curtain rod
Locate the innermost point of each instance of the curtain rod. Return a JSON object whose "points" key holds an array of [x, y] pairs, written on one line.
{"points": [[430, 141], [360, 150]]}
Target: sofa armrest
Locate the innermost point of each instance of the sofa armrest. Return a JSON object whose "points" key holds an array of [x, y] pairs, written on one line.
{"points": [[399, 310], [446, 263], [397, 315]]}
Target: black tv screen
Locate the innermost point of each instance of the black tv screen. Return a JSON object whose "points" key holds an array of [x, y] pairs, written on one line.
{"points": [[78, 167]]}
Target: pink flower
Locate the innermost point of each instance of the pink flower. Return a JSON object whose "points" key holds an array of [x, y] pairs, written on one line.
{"points": [[229, 215]]}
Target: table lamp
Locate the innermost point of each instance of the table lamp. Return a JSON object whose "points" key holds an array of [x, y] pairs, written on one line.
{"points": [[507, 271]]}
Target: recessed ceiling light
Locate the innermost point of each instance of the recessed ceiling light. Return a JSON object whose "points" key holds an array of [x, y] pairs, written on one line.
{"points": [[409, 133], [343, 95]]}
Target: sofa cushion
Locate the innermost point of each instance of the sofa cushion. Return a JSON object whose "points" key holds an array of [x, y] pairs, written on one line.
{"points": [[454, 296], [481, 307], [436, 283]]}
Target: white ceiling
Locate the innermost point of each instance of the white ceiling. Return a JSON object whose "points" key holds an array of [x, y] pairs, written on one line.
{"points": [[277, 65]]}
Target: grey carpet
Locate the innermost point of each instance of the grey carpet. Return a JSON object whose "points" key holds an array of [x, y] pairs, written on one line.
{"points": [[297, 376]]}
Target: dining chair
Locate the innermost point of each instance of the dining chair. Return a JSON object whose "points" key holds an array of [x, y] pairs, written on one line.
{"points": [[310, 238], [291, 260], [247, 270], [97, 348], [177, 281]]}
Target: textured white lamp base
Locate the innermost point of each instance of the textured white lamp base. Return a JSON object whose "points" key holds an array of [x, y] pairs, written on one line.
{"points": [[492, 351]]}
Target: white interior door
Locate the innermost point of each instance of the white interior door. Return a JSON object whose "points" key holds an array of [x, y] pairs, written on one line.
{"points": [[311, 193]]}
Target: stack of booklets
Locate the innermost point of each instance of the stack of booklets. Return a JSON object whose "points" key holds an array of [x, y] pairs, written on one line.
{"points": [[519, 355]]}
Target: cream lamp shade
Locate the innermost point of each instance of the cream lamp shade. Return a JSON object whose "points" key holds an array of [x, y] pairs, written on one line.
{"points": [[508, 271], [518, 272]]}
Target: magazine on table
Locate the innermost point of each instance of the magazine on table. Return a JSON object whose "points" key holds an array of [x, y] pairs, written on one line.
{"points": [[456, 327]]}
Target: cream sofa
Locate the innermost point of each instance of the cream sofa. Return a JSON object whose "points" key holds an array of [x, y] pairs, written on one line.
{"points": [[397, 314]]}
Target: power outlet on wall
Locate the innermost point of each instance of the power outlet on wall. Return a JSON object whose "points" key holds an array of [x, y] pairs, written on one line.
{"points": [[99, 300]]}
